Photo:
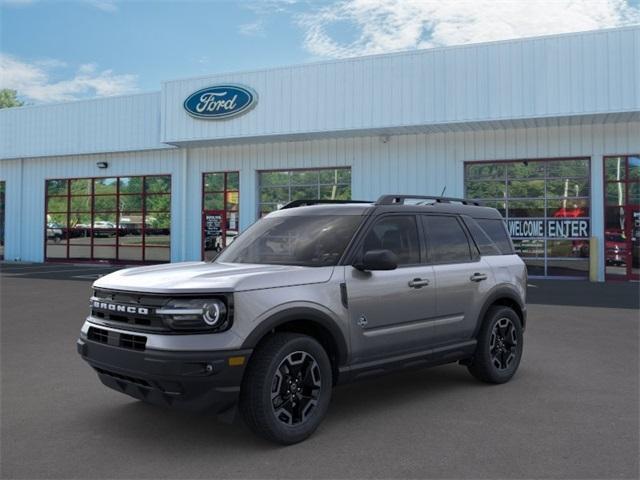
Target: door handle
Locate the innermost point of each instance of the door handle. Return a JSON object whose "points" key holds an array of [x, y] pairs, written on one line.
{"points": [[478, 277], [418, 283]]}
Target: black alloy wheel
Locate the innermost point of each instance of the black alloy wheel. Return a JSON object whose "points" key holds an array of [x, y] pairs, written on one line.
{"points": [[504, 343], [295, 388], [499, 347]]}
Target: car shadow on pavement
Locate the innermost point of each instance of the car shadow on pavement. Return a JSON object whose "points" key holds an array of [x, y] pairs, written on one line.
{"points": [[189, 431]]}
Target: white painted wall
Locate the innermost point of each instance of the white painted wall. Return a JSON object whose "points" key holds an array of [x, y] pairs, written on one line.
{"points": [[414, 164]]}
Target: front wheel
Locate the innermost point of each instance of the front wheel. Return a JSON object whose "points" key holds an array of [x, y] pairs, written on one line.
{"points": [[499, 346], [287, 388]]}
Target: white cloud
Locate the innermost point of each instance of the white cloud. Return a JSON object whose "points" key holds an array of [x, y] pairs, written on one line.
{"points": [[34, 82], [389, 25], [252, 29]]}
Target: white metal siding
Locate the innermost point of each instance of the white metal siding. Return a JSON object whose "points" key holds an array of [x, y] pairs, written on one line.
{"points": [[416, 163], [556, 76], [114, 124]]}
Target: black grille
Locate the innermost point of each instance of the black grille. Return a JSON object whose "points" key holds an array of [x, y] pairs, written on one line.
{"points": [[131, 319], [123, 340]]}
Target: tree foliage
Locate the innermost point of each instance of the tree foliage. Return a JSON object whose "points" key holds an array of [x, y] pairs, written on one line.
{"points": [[9, 98]]}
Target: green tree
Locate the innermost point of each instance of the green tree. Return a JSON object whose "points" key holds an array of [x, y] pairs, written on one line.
{"points": [[9, 98]]}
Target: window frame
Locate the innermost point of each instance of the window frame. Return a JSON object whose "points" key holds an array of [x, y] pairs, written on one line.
{"points": [[91, 212], [505, 178]]}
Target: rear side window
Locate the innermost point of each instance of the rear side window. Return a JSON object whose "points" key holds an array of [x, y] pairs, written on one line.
{"points": [[398, 233], [446, 240], [484, 243], [498, 233]]}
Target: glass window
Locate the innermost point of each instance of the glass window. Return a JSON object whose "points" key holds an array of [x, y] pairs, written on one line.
{"points": [[615, 169], [131, 184], [214, 182], [541, 200], [313, 241], [446, 240], [57, 187], [104, 219], [276, 188], [568, 168], [497, 232], [481, 239], [574, 187], [615, 193], [220, 211], [397, 233], [486, 189], [526, 188], [105, 186], [526, 169], [634, 167], [485, 171]]}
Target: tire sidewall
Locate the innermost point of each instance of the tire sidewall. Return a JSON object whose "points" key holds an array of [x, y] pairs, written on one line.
{"points": [[299, 432]]}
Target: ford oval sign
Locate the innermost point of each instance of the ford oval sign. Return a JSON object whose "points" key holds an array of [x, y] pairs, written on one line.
{"points": [[220, 102]]}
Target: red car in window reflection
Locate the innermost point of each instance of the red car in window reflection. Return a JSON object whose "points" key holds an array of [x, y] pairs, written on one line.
{"points": [[570, 213]]}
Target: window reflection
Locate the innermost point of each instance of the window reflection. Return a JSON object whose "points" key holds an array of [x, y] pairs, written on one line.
{"points": [[540, 192], [109, 218]]}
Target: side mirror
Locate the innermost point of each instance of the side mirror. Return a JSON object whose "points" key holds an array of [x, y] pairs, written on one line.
{"points": [[378, 260]]}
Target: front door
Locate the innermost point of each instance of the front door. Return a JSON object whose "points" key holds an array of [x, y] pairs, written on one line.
{"points": [[391, 312], [634, 242], [622, 217], [213, 233]]}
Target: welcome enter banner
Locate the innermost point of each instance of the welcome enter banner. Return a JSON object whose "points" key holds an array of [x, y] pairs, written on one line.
{"points": [[550, 228]]}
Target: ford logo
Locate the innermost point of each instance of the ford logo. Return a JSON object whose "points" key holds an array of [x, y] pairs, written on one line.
{"points": [[220, 102]]}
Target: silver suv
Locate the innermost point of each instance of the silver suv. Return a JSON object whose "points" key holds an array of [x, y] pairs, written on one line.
{"points": [[315, 294]]}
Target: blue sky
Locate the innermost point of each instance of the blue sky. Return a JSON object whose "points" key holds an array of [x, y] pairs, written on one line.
{"points": [[54, 50]]}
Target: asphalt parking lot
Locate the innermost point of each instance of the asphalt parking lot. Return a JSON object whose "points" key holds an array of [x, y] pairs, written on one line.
{"points": [[570, 412]]}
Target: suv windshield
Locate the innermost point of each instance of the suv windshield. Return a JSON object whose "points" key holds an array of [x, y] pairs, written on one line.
{"points": [[310, 241]]}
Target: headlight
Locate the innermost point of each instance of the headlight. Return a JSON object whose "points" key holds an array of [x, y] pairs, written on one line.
{"points": [[201, 314]]}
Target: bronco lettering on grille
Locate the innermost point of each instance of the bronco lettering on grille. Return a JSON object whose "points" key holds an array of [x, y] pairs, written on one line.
{"points": [[113, 307]]}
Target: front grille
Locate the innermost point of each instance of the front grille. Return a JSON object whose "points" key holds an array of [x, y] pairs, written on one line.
{"points": [[117, 339], [140, 314]]}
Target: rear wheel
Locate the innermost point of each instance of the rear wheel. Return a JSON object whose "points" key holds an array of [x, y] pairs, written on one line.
{"points": [[499, 346], [287, 388]]}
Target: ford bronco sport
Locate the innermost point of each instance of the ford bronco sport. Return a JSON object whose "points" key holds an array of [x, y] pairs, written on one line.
{"points": [[315, 294]]}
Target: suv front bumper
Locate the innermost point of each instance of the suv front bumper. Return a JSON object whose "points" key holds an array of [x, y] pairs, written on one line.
{"points": [[189, 380]]}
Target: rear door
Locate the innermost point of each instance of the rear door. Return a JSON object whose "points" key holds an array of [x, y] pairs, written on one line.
{"points": [[391, 311], [462, 277]]}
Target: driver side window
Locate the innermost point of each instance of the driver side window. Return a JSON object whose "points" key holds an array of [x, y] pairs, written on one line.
{"points": [[398, 233]]}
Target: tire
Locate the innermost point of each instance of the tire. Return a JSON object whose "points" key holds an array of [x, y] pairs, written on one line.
{"points": [[497, 357], [274, 367]]}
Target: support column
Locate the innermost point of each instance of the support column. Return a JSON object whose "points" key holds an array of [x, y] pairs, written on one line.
{"points": [[597, 213]]}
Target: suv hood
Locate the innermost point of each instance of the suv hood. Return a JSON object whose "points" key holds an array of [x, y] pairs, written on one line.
{"points": [[194, 277]]}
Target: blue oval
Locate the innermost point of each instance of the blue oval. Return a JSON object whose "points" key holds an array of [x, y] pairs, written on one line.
{"points": [[220, 102]]}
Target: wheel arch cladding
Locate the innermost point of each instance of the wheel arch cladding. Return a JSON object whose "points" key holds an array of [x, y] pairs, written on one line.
{"points": [[505, 297], [306, 321]]}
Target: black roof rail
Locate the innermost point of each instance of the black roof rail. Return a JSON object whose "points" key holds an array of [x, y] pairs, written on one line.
{"points": [[400, 199], [308, 202]]}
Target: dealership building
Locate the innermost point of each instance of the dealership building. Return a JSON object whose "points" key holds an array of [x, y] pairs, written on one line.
{"points": [[545, 129]]}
